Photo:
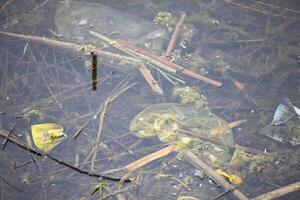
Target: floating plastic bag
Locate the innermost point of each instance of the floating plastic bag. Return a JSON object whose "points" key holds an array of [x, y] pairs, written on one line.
{"points": [[285, 126], [74, 19], [47, 136]]}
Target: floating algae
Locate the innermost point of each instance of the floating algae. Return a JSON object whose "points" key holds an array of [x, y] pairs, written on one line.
{"points": [[75, 19]]}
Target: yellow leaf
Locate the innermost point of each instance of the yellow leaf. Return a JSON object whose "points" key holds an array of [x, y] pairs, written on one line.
{"points": [[47, 136], [232, 178]]}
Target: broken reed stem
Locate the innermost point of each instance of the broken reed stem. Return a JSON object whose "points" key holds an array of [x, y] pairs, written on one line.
{"points": [[174, 36], [68, 46], [150, 80], [211, 173], [279, 192], [149, 158], [168, 64], [4, 133]]}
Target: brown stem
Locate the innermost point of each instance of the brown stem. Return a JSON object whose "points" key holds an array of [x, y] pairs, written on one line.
{"points": [[67, 45], [174, 36]]}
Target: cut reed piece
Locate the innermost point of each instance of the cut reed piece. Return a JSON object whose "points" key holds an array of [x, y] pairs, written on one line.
{"points": [[158, 154], [279, 192], [149, 158], [211, 173], [150, 80], [174, 36]]}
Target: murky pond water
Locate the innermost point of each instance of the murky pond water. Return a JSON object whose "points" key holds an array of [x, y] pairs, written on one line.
{"points": [[92, 89]]}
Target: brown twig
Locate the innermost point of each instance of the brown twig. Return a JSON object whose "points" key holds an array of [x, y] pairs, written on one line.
{"points": [[4, 143], [211, 173], [279, 192], [174, 36]]}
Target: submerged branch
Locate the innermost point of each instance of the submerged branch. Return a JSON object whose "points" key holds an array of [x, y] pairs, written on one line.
{"points": [[4, 133]]}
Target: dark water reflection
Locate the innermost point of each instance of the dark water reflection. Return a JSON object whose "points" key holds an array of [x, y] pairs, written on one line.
{"points": [[255, 43]]}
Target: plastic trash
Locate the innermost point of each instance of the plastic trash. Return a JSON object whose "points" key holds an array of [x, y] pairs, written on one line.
{"points": [[285, 126], [47, 136]]}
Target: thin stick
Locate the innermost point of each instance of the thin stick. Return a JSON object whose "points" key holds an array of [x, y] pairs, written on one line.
{"points": [[82, 171], [174, 36], [23, 164], [16, 141], [279, 192], [14, 187], [4, 143], [117, 192], [69, 46], [80, 129], [211, 173], [116, 92]]}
